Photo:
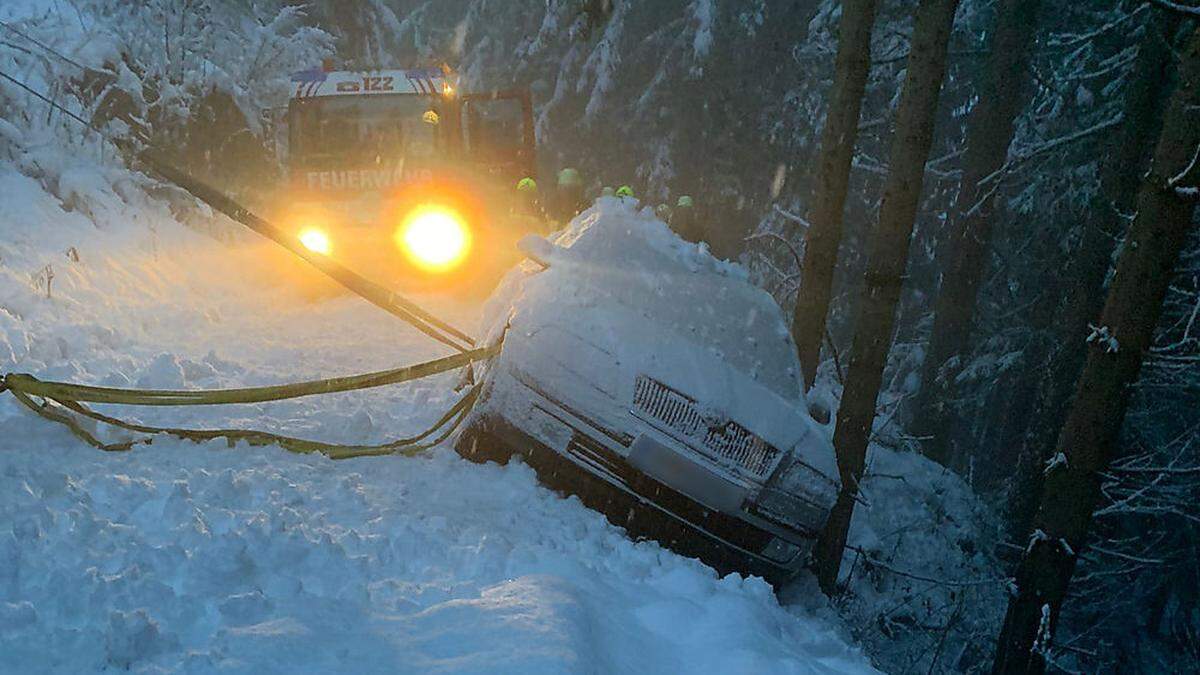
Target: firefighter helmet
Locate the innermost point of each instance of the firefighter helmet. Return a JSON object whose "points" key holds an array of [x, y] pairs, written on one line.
{"points": [[527, 184], [684, 202], [624, 191]]}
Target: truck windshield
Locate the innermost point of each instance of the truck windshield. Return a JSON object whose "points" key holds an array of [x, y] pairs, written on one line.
{"points": [[494, 129], [363, 131]]}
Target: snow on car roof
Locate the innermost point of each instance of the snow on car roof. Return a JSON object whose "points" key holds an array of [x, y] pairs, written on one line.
{"points": [[616, 259]]}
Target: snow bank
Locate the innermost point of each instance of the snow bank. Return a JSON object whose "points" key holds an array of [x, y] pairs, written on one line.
{"points": [[203, 558], [13, 10], [924, 586]]}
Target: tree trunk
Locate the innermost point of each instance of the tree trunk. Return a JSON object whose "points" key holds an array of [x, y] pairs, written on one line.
{"points": [[1071, 488], [829, 200], [1122, 170], [885, 268], [963, 250]]}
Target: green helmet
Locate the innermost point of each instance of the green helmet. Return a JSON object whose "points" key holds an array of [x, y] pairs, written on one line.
{"points": [[607, 192], [662, 211], [527, 184], [570, 177], [624, 191], [685, 202]]}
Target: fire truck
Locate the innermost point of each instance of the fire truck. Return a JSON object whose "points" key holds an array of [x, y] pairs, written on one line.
{"points": [[399, 175]]}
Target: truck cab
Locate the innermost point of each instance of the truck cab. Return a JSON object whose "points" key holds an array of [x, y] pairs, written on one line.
{"points": [[370, 152]]}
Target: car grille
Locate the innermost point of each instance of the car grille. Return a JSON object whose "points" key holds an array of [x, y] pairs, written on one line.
{"points": [[726, 442]]}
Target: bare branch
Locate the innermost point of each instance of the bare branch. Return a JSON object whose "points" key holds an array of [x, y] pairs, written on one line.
{"points": [[1086, 37], [795, 218], [1183, 175], [874, 562], [788, 244], [996, 177]]}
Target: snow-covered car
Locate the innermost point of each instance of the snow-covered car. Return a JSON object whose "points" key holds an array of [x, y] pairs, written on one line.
{"points": [[661, 387]]}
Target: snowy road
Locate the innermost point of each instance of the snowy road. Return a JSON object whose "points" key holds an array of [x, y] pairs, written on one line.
{"points": [[180, 557]]}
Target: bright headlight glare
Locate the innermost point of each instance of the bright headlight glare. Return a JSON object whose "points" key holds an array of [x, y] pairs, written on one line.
{"points": [[315, 240], [434, 238]]}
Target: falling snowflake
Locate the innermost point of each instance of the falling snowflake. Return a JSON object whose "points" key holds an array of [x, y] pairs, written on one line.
{"points": [[1103, 336], [1042, 644], [1059, 459], [1066, 547], [1034, 538]]}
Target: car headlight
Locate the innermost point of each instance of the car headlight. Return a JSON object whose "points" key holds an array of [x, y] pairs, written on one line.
{"points": [[790, 509]]}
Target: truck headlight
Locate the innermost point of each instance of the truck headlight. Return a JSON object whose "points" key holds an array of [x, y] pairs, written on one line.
{"points": [[434, 238], [315, 240]]}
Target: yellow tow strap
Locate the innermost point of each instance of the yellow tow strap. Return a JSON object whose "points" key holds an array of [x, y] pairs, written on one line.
{"points": [[60, 400]]}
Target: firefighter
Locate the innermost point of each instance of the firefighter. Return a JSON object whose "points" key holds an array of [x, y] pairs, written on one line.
{"points": [[683, 219], [527, 196], [663, 213], [569, 194]]}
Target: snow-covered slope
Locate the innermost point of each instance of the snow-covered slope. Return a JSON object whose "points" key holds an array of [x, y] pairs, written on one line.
{"points": [[205, 558], [179, 557]]}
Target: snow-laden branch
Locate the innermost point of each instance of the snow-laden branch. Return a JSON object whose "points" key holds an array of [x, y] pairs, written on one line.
{"points": [[1121, 63], [1180, 471], [1125, 556], [875, 562], [994, 178], [1054, 143], [1090, 35], [794, 217], [1187, 329], [1178, 7], [1175, 181]]}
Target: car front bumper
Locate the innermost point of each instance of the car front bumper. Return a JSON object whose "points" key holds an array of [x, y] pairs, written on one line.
{"points": [[645, 506]]}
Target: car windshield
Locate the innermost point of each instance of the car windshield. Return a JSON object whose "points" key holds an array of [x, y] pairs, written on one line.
{"points": [[639, 267], [360, 131], [727, 317]]}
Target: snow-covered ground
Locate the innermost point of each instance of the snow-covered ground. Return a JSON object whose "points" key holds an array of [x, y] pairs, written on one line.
{"points": [[197, 558]]}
